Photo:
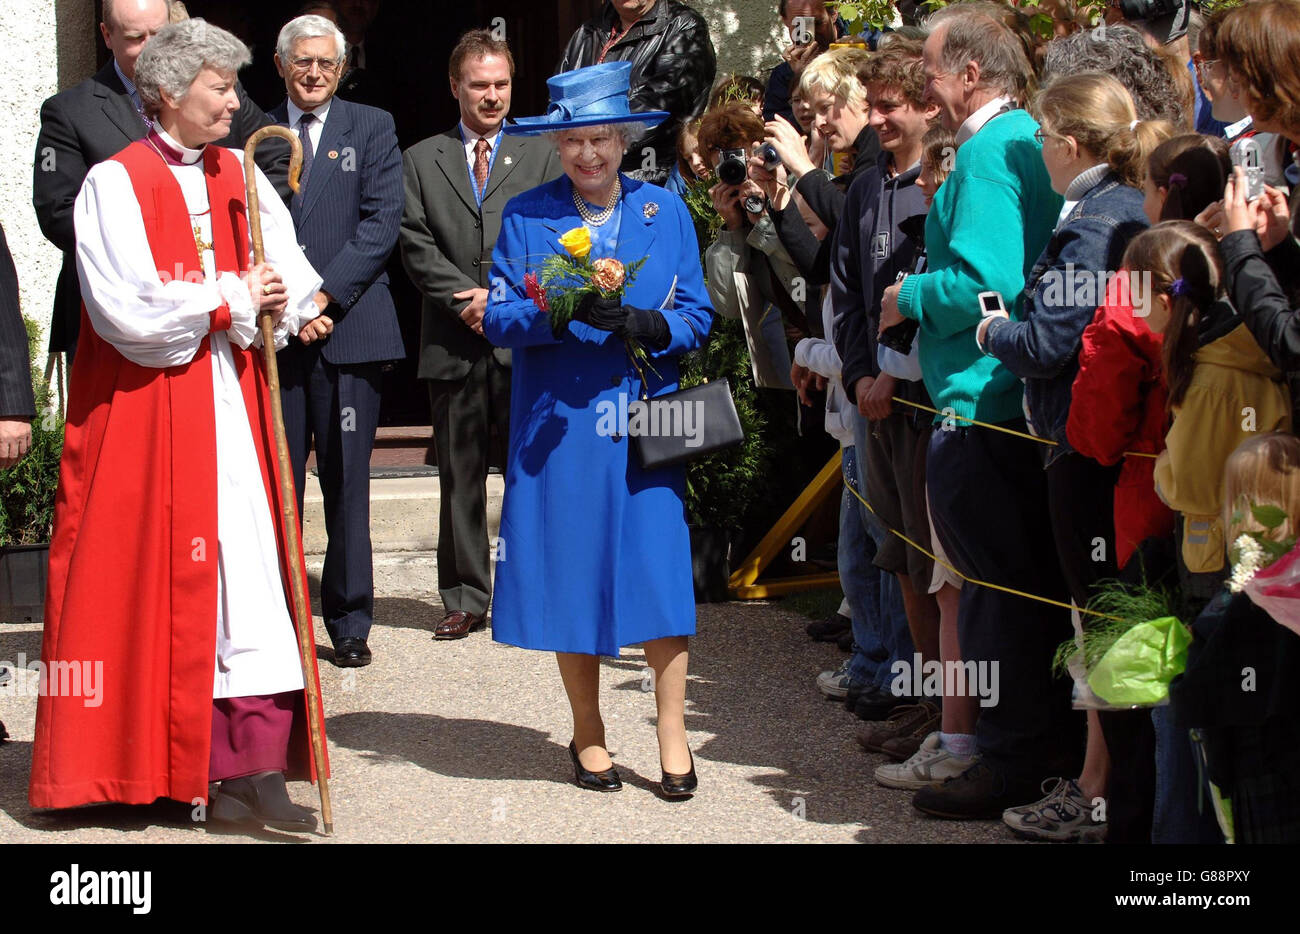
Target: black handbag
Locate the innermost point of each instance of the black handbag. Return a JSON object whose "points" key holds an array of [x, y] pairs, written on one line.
{"points": [[684, 424]]}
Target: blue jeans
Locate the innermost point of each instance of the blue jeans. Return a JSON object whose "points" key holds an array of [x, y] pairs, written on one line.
{"points": [[860, 581], [891, 632], [1180, 787]]}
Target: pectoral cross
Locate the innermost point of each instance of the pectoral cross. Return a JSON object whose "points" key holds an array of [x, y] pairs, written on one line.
{"points": [[199, 242]]}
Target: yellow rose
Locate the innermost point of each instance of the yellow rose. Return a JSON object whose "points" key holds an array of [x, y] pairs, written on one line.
{"points": [[577, 242]]}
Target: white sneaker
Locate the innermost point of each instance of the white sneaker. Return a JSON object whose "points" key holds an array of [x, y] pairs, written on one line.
{"points": [[930, 765], [835, 684]]}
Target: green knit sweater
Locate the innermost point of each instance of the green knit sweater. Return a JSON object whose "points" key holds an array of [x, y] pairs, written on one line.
{"points": [[990, 220]]}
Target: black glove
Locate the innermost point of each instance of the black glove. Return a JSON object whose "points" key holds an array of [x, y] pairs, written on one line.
{"points": [[604, 314], [646, 326]]}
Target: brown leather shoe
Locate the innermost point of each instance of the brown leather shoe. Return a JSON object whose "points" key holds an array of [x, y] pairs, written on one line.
{"points": [[458, 624]]}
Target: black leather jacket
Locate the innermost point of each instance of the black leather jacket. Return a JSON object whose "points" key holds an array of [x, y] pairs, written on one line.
{"points": [[673, 65]]}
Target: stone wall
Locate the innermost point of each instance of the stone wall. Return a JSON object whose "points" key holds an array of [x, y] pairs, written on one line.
{"points": [[747, 34], [51, 47]]}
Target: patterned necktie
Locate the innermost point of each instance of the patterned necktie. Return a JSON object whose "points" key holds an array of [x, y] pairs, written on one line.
{"points": [[481, 165], [304, 134]]}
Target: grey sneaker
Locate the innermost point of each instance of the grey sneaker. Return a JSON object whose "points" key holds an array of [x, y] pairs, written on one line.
{"points": [[1064, 815], [931, 765], [835, 684]]}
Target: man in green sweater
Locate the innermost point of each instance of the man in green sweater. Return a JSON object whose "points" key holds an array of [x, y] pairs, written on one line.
{"points": [[988, 224]]}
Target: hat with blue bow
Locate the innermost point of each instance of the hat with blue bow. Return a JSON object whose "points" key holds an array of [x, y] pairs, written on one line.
{"points": [[591, 96]]}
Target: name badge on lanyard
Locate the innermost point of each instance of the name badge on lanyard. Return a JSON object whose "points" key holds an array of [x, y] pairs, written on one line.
{"points": [[492, 161]]}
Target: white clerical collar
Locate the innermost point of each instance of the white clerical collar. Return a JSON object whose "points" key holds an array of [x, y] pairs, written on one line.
{"points": [[975, 122], [320, 113], [187, 155]]}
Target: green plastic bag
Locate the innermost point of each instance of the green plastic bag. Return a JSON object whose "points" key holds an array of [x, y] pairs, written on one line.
{"points": [[1137, 669]]}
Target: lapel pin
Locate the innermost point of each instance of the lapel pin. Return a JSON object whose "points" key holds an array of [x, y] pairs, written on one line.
{"points": [[650, 209], [509, 160], [334, 154]]}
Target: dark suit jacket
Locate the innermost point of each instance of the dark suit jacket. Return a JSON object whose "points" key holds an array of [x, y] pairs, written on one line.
{"points": [[80, 128], [447, 239], [16, 400], [347, 220]]}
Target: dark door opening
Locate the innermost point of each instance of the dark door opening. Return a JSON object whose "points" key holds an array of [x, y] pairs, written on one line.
{"points": [[407, 48]]}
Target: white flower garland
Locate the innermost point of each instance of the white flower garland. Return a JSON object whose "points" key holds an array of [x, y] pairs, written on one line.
{"points": [[1250, 558]]}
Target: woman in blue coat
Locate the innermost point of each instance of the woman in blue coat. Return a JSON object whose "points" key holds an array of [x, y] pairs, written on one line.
{"points": [[594, 552]]}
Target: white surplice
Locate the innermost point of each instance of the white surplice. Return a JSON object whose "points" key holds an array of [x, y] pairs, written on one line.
{"points": [[158, 320]]}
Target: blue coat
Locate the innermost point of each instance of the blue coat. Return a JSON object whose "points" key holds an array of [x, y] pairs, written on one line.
{"points": [[594, 552]]}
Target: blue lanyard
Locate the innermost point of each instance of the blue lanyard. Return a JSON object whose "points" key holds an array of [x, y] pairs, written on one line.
{"points": [[492, 161]]}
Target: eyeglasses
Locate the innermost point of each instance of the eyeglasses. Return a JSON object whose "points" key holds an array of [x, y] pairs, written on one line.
{"points": [[1041, 135], [327, 65], [1203, 68]]}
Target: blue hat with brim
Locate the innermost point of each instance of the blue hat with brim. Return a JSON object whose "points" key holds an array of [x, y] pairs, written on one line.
{"points": [[591, 96]]}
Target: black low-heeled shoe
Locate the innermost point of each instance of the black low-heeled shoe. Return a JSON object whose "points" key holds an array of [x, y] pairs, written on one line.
{"points": [[258, 801], [606, 780], [678, 786]]}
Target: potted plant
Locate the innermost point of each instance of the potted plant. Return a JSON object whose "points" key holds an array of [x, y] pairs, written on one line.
{"points": [[722, 488], [27, 509]]}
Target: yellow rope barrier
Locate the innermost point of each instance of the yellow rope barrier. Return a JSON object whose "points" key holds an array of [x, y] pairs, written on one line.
{"points": [[1007, 431], [970, 580]]}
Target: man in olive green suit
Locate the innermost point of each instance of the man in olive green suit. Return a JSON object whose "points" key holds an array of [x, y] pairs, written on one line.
{"points": [[457, 184]]}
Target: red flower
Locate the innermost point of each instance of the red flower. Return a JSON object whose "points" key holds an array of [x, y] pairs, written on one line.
{"points": [[534, 290]]}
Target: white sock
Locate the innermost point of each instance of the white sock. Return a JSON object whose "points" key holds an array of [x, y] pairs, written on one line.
{"points": [[961, 745]]}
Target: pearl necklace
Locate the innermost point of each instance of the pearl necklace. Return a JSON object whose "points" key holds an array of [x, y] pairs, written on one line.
{"points": [[598, 219]]}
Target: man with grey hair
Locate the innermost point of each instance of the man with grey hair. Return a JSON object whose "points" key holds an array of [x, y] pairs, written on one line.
{"points": [[1120, 52], [988, 224], [88, 123], [347, 213]]}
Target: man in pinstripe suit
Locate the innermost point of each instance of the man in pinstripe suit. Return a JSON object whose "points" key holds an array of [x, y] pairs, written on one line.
{"points": [[347, 212]]}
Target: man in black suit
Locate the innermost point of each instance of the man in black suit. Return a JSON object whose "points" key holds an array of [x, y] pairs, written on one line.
{"points": [[347, 214], [17, 404], [456, 186], [97, 119]]}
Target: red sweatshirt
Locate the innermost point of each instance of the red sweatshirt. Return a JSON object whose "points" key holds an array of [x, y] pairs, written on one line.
{"points": [[1119, 405]]}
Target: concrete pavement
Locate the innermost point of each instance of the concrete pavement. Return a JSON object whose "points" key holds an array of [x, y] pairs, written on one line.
{"points": [[465, 742]]}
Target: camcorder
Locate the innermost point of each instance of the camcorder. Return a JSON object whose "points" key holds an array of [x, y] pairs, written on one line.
{"points": [[899, 337]]}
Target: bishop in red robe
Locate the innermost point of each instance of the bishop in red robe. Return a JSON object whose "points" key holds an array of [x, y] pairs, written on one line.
{"points": [[166, 564]]}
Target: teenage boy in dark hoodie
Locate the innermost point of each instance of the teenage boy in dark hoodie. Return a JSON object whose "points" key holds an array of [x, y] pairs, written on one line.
{"points": [[871, 248]]}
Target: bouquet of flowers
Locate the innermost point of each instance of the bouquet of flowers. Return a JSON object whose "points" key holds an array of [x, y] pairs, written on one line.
{"points": [[569, 277], [1267, 566]]}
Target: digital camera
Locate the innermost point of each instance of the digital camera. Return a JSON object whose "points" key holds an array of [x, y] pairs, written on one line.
{"points": [[732, 169]]}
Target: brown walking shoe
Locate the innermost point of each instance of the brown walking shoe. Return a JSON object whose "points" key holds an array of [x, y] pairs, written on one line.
{"points": [[911, 719]]}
